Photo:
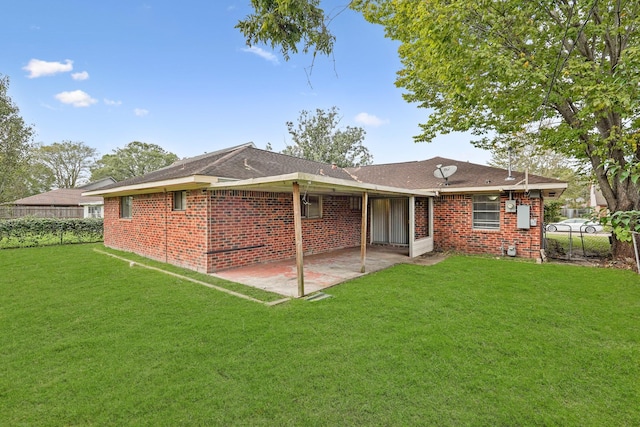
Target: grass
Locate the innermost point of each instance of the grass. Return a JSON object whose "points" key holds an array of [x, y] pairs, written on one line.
{"points": [[259, 294], [88, 340]]}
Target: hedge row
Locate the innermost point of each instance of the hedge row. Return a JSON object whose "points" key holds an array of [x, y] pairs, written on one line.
{"points": [[32, 231]]}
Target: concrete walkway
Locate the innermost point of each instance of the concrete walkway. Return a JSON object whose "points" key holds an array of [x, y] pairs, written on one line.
{"points": [[321, 271]]}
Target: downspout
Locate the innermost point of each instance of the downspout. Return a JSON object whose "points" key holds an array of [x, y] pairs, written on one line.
{"points": [[208, 235], [166, 226]]}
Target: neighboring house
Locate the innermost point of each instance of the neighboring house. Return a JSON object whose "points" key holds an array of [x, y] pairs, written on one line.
{"points": [[597, 201], [242, 206], [61, 203]]}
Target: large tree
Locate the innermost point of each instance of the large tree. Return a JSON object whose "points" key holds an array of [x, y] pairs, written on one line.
{"points": [[66, 162], [566, 72], [317, 137], [15, 146], [135, 159]]}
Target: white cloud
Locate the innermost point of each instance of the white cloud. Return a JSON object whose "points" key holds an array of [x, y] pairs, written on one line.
{"points": [[77, 98], [370, 120], [112, 102], [80, 76], [140, 112], [39, 68], [262, 54]]}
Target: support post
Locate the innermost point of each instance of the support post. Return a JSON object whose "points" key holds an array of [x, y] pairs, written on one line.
{"points": [[297, 225], [363, 233], [412, 225]]}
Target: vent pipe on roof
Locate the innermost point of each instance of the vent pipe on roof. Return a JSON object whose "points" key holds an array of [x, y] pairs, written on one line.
{"points": [[510, 177]]}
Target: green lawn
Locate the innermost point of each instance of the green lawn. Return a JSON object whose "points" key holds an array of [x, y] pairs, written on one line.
{"points": [[88, 340]]}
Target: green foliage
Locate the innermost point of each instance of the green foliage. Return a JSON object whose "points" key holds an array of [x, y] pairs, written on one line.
{"points": [[65, 164], [135, 159], [623, 224], [318, 138], [287, 23], [40, 178], [88, 340], [15, 145], [552, 211], [565, 74], [32, 231]]}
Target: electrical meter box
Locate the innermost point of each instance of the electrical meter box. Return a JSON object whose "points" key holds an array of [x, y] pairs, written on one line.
{"points": [[510, 206], [524, 221]]}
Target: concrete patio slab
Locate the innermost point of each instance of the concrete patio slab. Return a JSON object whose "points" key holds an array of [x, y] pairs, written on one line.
{"points": [[321, 271]]}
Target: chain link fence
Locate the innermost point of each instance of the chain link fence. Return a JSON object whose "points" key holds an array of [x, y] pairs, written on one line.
{"points": [[568, 244]]}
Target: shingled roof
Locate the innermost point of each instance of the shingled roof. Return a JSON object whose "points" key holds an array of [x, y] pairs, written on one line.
{"points": [[420, 175], [58, 197], [245, 165], [237, 163]]}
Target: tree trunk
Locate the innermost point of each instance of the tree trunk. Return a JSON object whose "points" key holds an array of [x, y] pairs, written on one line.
{"points": [[622, 250], [621, 195]]}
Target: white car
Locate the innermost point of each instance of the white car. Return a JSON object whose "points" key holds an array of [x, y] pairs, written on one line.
{"points": [[575, 224]]}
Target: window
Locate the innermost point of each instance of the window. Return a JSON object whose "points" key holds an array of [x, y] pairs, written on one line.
{"points": [[180, 201], [95, 211], [355, 203], [126, 203], [311, 207], [486, 212]]}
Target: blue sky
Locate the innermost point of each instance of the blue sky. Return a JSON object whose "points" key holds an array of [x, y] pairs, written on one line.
{"points": [[178, 74]]}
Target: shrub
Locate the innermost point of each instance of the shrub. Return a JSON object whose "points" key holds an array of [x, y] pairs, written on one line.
{"points": [[32, 231], [552, 212]]}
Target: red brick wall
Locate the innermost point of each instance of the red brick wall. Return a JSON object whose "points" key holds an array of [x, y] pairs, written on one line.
{"points": [[453, 227], [187, 231], [421, 217], [157, 232], [248, 227]]}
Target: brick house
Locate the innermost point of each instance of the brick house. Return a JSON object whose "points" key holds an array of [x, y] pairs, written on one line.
{"points": [[59, 203], [243, 205]]}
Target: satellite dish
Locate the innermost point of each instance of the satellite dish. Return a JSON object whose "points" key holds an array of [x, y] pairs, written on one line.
{"points": [[444, 172]]}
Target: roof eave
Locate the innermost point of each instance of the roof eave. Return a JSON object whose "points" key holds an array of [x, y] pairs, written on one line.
{"points": [[185, 183], [316, 183], [555, 187]]}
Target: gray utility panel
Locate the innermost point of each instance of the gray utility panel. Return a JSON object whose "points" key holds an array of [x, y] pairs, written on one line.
{"points": [[524, 212]]}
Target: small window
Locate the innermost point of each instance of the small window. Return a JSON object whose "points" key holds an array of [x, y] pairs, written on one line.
{"points": [[95, 211], [180, 201], [355, 203], [486, 212], [311, 207], [126, 203]]}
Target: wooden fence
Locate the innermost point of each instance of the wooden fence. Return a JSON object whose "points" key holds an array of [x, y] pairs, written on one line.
{"points": [[9, 212]]}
